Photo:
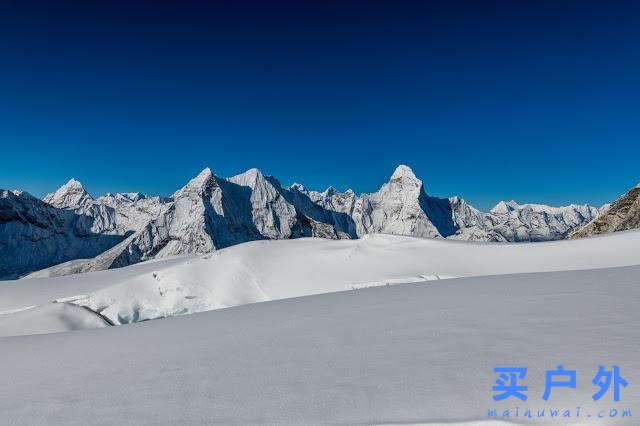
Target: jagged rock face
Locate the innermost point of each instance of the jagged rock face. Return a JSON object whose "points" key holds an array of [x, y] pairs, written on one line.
{"points": [[622, 215], [465, 215], [272, 215], [472, 224], [326, 209], [132, 210], [35, 235]]}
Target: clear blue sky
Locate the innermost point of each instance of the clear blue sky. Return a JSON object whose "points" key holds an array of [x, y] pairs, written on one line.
{"points": [[499, 100]]}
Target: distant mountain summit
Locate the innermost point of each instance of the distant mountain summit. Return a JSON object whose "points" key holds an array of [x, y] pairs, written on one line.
{"points": [[211, 212], [622, 215], [536, 222], [35, 235], [71, 194]]}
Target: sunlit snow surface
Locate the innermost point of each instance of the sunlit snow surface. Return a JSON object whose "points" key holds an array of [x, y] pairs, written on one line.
{"points": [[390, 354], [268, 270]]}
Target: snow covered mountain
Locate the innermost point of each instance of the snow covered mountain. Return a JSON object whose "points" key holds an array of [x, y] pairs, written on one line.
{"points": [[71, 194], [402, 207], [34, 234], [68, 224], [211, 212], [622, 215], [116, 214], [513, 222]]}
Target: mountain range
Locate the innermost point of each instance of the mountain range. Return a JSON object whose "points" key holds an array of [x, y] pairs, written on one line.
{"points": [[212, 212]]}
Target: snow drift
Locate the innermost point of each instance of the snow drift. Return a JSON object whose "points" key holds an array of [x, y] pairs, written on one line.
{"points": [[269, 270], [416, 353]]}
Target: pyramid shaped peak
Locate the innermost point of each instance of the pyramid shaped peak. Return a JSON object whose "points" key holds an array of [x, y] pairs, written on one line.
{"points": [[404, 177], [330, 191], [201, 178], [252, 173], [70, 194], [204, 174], [298, 187], [198, 184], [403, 172], [249, 178], [504, 207], [72, 183]]}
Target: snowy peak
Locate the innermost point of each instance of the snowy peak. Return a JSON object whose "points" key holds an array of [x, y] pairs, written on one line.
{"points": [[131, 196], [504, 207], [399, 207], [199, 185], [404, 175], [458, 203], [297, 187], [121, 197], [6, 193], [250, 178], [72, 184], [330, 192], [71, 194]]}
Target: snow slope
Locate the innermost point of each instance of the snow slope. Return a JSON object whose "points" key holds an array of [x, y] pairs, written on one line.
{"points": [[269, 270], [415, 353], [23, 293], [49, 318]]}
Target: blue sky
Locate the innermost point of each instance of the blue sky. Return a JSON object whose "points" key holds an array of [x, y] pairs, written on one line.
{"points": [[491, 101]]}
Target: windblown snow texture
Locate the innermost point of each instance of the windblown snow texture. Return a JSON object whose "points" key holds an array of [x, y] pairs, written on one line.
{"points": [[406, 354]]}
